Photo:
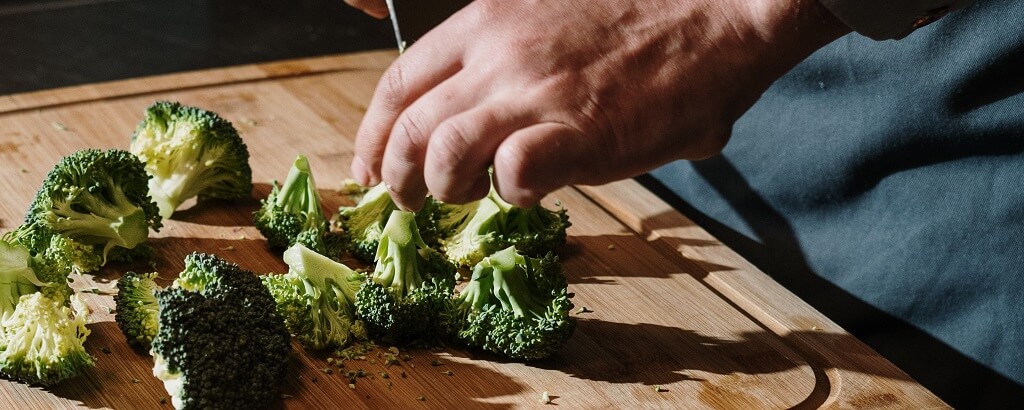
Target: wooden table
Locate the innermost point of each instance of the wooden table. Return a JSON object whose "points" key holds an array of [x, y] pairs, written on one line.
{"points": [[677, 319]]}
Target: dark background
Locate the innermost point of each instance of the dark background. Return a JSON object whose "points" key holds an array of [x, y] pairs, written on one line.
{"points": [[56, 43]]}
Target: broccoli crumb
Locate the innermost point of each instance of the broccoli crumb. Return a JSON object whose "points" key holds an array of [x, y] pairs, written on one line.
{"points": [[660, 389], [584, 309], [163, 400], [611, 247], [448, 373], [227, 248], [421, 398], [135, 380], [545, 398], [105, 349], [327, 370], [435, 363], [384, 375], [406, 357]]}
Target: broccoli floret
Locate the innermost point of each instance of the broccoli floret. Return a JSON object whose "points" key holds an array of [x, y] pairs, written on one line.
{"points": [[41, 342], [363, 223], [137, 308], [409, 286], [317, 298], [22, 273], [220, 342], [97, 199], [470, 232], [513, 305], [292, 212], [191, 152]]}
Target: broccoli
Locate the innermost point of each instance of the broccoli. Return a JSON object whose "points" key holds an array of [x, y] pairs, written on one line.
{"points": [[513, 305], [137, 308], [363, 223], [191, 152], [409, 286], [220, 342], [316, 298], [41, 341], [470, 232], [99, 201], [292, 212]]}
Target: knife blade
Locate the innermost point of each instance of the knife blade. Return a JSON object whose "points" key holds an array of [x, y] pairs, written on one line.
{"points": [[411, 19]]}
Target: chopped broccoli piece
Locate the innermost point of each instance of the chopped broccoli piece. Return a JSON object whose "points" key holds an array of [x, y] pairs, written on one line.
{"points": [[317, 298], [513, 305], [364, 222], [292, 212], [409, 286], [97, 199], [17, 277], [41, 342], [470, 232], [191, 152], [137, 308], [220, 342]]}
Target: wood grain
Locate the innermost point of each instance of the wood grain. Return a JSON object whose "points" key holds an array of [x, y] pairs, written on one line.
{"points": [[670, 306]]}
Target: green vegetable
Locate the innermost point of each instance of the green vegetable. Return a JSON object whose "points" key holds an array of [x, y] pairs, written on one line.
{"points": [[99, 202], [220, 342], [42, 340], [292, 212], [470, 232], [409, 287], [191, 152], [363, 223], [137, 308], [316, 298], [513, 305]]}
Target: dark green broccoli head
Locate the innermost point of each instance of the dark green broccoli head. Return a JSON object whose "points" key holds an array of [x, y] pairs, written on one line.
{"points": [[98, 199], [42, 341], [191, 152], [363, 223], [316, 298], [409, 286], [137, 308], [292, 212], [220, 343], [513, 305]]}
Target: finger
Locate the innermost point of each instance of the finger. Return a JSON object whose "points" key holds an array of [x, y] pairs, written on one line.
{"points": [[418, 70], [375, 8], [539, 159], [402, 165], [462, 148]]}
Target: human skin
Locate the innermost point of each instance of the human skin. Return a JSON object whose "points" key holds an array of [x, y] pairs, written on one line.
{"points": [[553, 93]]}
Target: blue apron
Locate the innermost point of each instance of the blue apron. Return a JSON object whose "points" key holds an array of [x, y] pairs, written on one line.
{"points": [[883, 182]]}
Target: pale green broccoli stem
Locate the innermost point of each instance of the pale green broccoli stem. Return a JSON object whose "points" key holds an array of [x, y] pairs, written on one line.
{"points": [[510, 284], [318, 272], [185, 175], [397, 256], [475, 239], [368, 214], [114, 223], [299, 193], [477, 292], [16, 277]]}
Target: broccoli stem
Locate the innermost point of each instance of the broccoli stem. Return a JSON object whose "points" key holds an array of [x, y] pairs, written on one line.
{"points": [[510, 284], [397, 263]]}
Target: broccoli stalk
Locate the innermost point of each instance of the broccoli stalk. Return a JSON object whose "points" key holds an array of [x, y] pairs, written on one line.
{"points": [[292, 212], [220, 342], [191, 152], [41, 342], [470, 232], [98, 200], [409, 286], [363, 223], [513, 305], [317, 298], [137, 308]]}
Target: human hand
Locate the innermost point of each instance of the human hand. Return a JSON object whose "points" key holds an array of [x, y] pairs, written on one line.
{"points": [[553, 93], [375, 8]]}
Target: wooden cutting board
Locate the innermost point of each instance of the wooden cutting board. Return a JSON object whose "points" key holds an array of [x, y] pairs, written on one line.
{"points": [[676, 320]]}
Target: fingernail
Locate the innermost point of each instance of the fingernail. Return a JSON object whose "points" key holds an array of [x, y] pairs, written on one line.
{"points": [[361, 174]]}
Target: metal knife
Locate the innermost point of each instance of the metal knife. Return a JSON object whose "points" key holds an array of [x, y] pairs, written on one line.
{"points": [[411, 19]]}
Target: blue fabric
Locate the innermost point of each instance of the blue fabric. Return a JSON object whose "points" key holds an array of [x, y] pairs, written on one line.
{"points": [[883, 182]]}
